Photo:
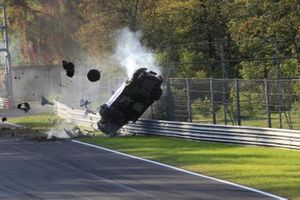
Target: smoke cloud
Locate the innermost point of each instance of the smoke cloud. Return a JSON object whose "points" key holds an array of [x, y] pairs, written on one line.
{"points": [[131, 54]]}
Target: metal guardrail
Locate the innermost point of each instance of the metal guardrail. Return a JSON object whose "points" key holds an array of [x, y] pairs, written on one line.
{"points": [[4, 103], [217, 133], [78, 117]]}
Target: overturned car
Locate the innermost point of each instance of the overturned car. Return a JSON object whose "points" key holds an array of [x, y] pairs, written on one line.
{"points": [[130, 101]]}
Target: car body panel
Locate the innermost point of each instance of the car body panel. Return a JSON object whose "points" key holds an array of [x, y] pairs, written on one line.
{"points": [[130, 101]]}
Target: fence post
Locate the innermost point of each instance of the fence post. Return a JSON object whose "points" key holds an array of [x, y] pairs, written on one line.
{"points": [[224, 100], [212, 100], [188, 99], [267, 103], [224, 85], [278, 87], [279, 102], [170, 100], [238, 108]]}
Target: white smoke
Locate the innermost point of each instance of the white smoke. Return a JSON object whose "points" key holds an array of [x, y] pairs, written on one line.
{"points": [[131, 54]]}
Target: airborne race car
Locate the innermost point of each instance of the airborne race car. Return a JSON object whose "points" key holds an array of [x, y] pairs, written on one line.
{"points": [[130, 101]]}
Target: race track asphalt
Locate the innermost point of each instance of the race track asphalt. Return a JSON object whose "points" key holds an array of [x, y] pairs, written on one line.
{"points": [[69, 170]]}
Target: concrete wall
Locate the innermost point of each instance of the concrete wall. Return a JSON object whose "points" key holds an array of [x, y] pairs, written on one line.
{"points": [[32, 82]]}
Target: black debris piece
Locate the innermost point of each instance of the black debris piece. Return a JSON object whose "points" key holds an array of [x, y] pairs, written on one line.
{"points": [[4, 119], [46, 101], [94, 75], [24, 106], [69, 67]]}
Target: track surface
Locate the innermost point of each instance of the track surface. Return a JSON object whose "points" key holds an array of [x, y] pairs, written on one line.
{"points": [[68, 170]]}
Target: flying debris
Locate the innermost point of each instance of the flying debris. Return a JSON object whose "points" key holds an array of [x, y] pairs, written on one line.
{"points": [[130, 101], [45, 101], [87, 111], [69, 67], [69, 133], [74, 133], [24, 106], [94, 75], [84, 103]]}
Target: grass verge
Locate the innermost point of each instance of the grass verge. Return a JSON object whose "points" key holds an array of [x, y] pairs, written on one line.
{"points": [[41, 122], [269, 169]]}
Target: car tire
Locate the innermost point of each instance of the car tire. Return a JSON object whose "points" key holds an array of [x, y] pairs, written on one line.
{"points": [[104, 111], [138, 74]]}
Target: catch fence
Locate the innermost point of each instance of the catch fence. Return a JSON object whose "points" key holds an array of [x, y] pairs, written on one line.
{"points": [[261, 103]]}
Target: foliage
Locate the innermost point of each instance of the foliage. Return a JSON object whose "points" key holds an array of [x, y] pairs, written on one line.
{"points": [[252, 39], [201, 107]]}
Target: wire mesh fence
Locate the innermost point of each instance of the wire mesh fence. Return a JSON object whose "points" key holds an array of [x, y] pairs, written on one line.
{"points": [[261, 103]]}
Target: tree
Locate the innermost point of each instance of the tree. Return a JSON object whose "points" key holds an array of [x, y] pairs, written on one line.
{"points": [[44, 29], [191, 33], [102, 18], [266, 29]]}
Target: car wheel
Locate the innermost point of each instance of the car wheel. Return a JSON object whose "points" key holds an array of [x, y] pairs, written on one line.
{"points": [[138, 74], [104, 111]]}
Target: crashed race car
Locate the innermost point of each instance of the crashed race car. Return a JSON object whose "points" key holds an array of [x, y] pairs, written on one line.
{"points": [[130, 101]]}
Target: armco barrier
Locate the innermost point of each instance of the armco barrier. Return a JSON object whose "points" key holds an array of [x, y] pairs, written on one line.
{"points": [[78, 117], [217, 133], [229, 134], [4, 103]]}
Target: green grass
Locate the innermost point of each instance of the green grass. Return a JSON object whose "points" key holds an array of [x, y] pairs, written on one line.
{"points": [[269, 169], [41, 122], [257, 121]]}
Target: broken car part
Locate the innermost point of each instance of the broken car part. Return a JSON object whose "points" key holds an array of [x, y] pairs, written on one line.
{"points": [[45, 101], [24, 106], [69, 67]]}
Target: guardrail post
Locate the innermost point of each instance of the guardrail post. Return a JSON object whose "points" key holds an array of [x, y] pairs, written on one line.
{"points": [[267, 103], [212, 100], [238, 109], [190, 118]]}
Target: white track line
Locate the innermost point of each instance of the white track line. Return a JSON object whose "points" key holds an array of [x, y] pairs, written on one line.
{"points": [[183, 170]]}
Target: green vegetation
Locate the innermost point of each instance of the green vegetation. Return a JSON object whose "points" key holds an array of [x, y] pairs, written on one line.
{"points": [[257, 121], [269, 169], [45, 122], [41, 122], [189, 37]]}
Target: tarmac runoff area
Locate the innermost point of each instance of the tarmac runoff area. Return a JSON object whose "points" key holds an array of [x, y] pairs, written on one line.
{"points": [[75, 170]]}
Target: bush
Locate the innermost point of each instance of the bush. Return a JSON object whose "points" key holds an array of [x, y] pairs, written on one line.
{"points": [[201, 107]]}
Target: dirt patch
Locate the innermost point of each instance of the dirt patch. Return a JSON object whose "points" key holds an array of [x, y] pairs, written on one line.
{"points": [[24, 134]]}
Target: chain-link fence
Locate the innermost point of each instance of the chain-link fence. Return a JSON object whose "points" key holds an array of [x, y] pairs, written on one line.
{"points": [[261, 103]]}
